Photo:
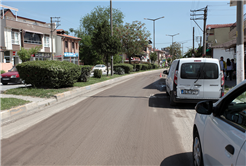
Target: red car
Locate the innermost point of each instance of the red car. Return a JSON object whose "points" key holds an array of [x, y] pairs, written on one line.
{"points": [[12, 76]]}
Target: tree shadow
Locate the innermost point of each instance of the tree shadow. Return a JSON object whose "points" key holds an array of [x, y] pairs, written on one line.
{"points": [[182, 159]]}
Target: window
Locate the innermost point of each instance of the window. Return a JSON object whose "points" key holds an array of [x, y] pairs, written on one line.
{"points": [[46, 41], [236, 111], [199, 70], [73, 45], [32, 38], [66, 44], [15, 37]]}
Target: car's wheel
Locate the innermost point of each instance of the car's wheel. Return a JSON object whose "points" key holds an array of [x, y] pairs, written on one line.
{"points": [[5, 83], [197, 150], [172, 103]]}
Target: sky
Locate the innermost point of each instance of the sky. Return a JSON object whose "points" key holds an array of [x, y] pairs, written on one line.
{"points": [[176, 15]]}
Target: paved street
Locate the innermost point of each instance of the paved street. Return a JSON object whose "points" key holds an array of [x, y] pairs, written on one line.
{"points": [[129, 124]]}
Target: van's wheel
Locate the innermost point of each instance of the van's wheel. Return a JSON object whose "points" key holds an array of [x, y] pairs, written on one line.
{"points": [[172, 103], [5, 83], [197, 150]]}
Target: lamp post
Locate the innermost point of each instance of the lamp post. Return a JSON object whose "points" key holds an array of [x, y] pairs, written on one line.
{"points": [[172, 40], [154, 31]]}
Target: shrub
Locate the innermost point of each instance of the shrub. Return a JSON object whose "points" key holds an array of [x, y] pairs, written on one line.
{"points": [[119, 70], [2, 71], [138, 67], [127, 67], [97, 73], [134, 67], [85, 73], [154, 66], [145, 67], [149, 66], [51, 74]]}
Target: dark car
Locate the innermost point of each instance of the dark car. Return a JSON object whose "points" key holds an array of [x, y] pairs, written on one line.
{"points": [[12, 76]]}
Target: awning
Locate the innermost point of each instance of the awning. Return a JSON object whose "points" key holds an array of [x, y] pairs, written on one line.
{"points": [[33, 32]]}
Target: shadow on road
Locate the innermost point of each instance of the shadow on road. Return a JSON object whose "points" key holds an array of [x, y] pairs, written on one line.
{"points": [[159, 85], [161, 100], [178, 160], [113, 96]]}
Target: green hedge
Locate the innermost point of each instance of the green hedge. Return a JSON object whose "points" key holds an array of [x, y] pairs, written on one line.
{"points": [[138, 67], [85, 73], [127, 67], [149, 66], [145, 67], [154, 66], [2, 71], [119, 70], [51, 74], [97, 73]]}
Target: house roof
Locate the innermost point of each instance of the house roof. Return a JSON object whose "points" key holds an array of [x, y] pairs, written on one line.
{"points": [[72, 37], [8, 10], [212, 26], [157, 50]]}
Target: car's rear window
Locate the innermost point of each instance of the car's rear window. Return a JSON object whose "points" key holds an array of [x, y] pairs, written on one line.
{"points": [[199, 70], [98, 65]]}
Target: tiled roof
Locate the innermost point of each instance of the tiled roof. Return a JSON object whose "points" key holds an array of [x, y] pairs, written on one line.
{"points": [[212, 26], [69, 36], [59, 30]]}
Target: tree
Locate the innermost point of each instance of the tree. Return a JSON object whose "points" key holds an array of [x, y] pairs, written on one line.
{"points": [[153, 57], [134, 38], [105, 44], [66, 32], [71, 30], [99, 15], [117, 59], [197, 52], [26, 54], [175, 50]]}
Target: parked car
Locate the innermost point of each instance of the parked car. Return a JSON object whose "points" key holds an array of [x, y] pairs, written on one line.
{"points": [[100, 67], [194, 79], [12, 76], [219, 132]]}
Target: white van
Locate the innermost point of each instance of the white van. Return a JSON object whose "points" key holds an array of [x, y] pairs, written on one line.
{"points": [[194, 79]]}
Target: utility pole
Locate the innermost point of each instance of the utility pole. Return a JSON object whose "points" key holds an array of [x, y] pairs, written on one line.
{"points": [[204, 18], [193, 42], [51, 32], [111, 27], [183, 48], [240, 43], [200, 41]]}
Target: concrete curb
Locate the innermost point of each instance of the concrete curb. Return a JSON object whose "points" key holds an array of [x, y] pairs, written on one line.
{"points": [[19, 112]]}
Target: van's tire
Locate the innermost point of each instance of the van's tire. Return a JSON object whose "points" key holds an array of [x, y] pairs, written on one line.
{"points": [[5, 83], [172, 103]]}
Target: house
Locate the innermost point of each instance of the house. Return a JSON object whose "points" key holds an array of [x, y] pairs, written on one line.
{"points": [[217, 36], [67, 47], [17, 32]]}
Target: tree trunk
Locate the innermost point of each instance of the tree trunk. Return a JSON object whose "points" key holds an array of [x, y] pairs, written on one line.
{"points": [[107, 65], [130, 61]]}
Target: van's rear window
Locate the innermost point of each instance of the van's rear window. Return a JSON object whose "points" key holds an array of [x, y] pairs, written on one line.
{"points": [[199, 70]]}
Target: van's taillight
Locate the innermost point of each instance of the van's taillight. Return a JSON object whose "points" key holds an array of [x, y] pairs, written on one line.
{"points": [[222, 94], [176, 77], [222, 79]]}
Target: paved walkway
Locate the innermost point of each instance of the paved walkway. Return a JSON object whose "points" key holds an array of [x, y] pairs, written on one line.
{"points": [[231, 83]]}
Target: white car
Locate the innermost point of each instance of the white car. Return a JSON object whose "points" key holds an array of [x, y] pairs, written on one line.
{"points": [[100, 67], [219, 132], [194, 79]]}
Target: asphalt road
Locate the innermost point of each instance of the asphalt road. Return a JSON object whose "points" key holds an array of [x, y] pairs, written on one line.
{"points": [[129, 124]]}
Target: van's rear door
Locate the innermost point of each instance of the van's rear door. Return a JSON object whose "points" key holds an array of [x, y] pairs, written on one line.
{"points": [[212, 80], [190, 84]]}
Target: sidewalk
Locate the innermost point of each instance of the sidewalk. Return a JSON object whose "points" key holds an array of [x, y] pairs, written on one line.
{"points": [[231, 83]]}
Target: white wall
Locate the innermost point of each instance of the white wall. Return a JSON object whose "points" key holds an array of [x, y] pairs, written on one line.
{"points": [[218, 52], [8, 38]]}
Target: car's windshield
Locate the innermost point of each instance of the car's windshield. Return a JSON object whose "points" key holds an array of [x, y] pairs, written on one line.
{"points": [[13, 69], [98, 66]]}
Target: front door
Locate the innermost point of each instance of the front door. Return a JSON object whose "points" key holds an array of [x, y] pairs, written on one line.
{"points": [[225, 135]]}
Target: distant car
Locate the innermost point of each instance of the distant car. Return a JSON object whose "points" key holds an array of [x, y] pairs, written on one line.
{"points": [[219, 131], [12, 76], [100, 67]]}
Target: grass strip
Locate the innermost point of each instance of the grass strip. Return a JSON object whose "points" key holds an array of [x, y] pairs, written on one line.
{"points": [[37, 92], [7, 103]]}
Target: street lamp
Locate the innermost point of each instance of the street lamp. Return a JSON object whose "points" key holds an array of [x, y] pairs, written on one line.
{"points": [[154, 31], [172, 40]]}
